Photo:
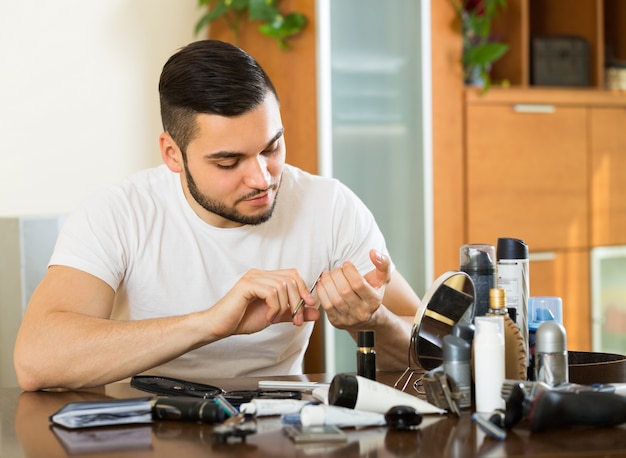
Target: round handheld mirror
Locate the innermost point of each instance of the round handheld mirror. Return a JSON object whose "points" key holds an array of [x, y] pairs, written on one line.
{"points": [[444, 305]]}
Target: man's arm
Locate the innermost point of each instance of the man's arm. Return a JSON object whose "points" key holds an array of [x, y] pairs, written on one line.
{"points": [[67, 339]]}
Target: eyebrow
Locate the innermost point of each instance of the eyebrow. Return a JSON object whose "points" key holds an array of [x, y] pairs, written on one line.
{"points": [[229, 154]]}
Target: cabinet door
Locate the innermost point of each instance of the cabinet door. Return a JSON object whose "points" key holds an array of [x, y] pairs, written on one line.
{"points": [[566, 274], [527, 175], [608, 176]]}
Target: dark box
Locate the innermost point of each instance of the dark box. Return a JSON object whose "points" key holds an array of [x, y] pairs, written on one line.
{"points": [[560, 61]]}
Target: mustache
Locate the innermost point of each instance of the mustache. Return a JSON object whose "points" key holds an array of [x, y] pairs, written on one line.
{"points": [[256, 192]]}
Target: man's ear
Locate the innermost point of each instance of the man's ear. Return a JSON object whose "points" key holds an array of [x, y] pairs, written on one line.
{"points": [[170, 153]]}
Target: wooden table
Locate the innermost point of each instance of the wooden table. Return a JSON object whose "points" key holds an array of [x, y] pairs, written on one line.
{"points": [[26, 432]]}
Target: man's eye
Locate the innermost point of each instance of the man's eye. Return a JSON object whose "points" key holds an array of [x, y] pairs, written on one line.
{"points": [[271, 150], [227, 164]]}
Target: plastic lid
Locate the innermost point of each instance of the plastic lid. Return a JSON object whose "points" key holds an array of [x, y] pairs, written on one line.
{"points": [[313, 415], [510, 248], [544, 308], [478, 258], [551, 338], [343, 391], [456, 349], [365, 339]]}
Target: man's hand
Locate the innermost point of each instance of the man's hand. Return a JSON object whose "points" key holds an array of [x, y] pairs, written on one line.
{"points": [[259, 299], [350, 299]]}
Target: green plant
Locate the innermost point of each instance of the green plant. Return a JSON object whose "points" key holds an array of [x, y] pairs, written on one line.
{"points": [[480, 48], [273, 23]]}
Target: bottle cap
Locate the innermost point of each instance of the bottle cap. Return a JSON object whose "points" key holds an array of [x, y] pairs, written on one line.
{"points": [[550, 338], [456, 349], [464, 330], [497, 298], [313, 415], [343, 391], [365, 339], [478, 258], [509, 248], [544, 308]]}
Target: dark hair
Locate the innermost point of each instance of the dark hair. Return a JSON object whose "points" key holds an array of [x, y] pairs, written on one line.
{"points": [[212, 77]]}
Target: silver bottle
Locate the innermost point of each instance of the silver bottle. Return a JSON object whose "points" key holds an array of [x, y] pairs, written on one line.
{"points": [[551, 354]]}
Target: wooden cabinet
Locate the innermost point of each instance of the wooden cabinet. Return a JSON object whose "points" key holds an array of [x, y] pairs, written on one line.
{"points": [[608, 176], [527, 177], [565, 273], [549, 167], [527, 174], [542, 163]]}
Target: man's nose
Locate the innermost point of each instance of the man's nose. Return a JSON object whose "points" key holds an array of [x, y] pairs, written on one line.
{"points": [[258, 176]]}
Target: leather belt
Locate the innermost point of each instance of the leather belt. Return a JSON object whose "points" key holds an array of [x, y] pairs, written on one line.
{"points": [[587, 368]]}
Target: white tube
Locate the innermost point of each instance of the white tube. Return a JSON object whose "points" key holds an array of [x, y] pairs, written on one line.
{"points": [[320, 414], [267, 407], [360, 393]]}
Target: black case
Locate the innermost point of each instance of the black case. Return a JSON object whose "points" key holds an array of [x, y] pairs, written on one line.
{"points": [[174, 387], [560, 61]]}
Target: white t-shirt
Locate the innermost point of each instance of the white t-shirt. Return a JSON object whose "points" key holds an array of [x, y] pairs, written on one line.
{"points": [[145, 241]]}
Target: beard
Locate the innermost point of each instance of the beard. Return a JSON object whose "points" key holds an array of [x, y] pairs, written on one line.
{"points": [[230, 213]]}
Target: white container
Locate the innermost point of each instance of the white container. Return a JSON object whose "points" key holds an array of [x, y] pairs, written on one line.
{"points": [[360, 393], [488, 363]]}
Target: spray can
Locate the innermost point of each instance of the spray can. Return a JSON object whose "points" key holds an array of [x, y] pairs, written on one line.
{"points": [[478, 260], [514, 278]]}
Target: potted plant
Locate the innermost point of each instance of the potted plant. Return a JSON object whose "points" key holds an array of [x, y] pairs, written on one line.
{"points": [[273, 23], [480, 48]]}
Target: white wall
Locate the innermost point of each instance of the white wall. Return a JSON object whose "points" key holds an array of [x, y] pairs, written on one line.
{"points": [[78, 95]]}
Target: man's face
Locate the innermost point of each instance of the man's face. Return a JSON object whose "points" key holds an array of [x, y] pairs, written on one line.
{"points": [[233, 166]]}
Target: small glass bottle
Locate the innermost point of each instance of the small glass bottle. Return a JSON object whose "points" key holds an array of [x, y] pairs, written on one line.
{"points": [[366, 355], [515, 358]]}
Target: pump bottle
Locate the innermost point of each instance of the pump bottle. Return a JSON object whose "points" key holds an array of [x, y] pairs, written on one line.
{"points": [[488, 364], [515, 356]]}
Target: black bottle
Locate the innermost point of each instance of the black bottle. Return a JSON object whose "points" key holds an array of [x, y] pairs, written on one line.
{"points": [[366, 355]]}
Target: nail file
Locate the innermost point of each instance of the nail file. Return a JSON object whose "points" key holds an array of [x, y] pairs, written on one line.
{"points": [[301, 303]]}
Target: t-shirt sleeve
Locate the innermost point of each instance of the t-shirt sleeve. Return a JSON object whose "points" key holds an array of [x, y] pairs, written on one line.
{"points": [[356, 230], [95, 238]]}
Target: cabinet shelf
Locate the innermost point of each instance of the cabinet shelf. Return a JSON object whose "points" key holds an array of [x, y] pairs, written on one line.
{"points": [[598, 22], [536, 94]]}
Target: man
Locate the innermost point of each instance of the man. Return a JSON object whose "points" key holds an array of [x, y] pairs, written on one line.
{"points": [[192, 269]]}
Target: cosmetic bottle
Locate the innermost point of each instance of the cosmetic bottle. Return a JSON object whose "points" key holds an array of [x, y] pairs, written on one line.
{"points": [[457, 363], [515, 357], [366, 355], [540, 309], [478, 261], [551, 364], [488, 363], [513, 277], [360, 393]]}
